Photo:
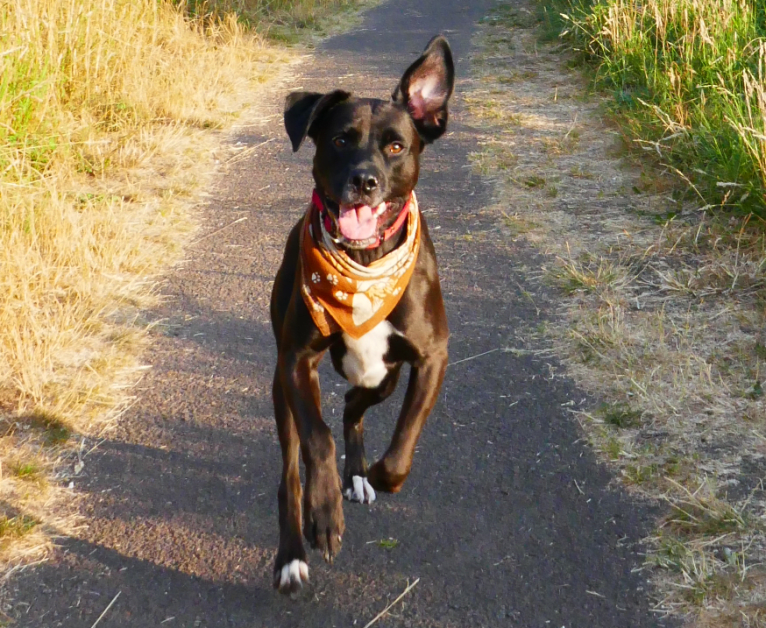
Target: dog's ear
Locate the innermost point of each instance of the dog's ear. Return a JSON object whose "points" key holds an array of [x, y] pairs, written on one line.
{"points": [[303, 109], [426, 87]]}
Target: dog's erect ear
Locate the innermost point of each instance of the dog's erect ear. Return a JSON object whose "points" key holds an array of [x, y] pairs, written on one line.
{"points": [[426, 87], [303, 109]]}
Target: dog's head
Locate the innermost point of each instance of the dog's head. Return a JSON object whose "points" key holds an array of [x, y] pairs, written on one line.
{"points": [[367, 150]]}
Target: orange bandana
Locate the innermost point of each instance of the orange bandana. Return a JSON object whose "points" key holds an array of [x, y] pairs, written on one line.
{"points": [[346, 296]]}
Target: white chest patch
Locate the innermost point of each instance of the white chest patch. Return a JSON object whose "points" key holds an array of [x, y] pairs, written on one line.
{"points": [[363, 363]]}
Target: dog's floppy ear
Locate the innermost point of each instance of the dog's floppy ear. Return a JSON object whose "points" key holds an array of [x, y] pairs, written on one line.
{"points": [[426, 87], [303, 109]]}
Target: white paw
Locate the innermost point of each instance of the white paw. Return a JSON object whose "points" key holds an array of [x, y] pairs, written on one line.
{"points": [[293, 576], [362, 491]]}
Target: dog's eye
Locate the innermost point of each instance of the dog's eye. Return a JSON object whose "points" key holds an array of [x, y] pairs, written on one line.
{"points": [[340, 142], [395, 148]]}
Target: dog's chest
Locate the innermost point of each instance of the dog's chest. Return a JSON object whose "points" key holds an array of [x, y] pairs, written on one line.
{"points": [[364, 362]]}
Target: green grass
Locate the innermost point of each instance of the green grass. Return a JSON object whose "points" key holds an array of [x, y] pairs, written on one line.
{"points": [[620, 415], [388, 544], [534, 182], [28, 471], [684, 79], [16, 527]]}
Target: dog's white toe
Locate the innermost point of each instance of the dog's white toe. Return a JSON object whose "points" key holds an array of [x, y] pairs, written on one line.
{"points": [[293, 576], [361, 492]]}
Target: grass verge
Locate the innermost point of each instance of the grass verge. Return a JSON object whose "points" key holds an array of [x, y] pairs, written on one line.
{"points": [[111, 115], [661, 314], [283, 21], [687, 83]]}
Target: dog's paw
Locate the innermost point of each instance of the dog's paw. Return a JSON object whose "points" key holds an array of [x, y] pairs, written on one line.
{"points": [[360, 490], [323, 523], [324, 533], [291, 577]]}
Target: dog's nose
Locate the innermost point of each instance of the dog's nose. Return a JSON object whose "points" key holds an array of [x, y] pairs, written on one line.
{"points": [[364, 182]]}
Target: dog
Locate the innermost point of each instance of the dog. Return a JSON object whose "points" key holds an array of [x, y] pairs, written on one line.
{"points": [[358, 278]]}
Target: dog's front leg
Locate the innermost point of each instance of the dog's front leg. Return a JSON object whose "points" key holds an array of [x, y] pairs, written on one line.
{"points": [[390, 472], [291, 571], [323, 524], [356, 488]]}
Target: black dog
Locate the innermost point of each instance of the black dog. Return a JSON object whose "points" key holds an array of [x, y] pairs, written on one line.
{"points": [[364, 211]]}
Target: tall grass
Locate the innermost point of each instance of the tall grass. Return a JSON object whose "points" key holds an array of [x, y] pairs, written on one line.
{"points": [[265, 12], [281, 20], [105, 111], [90, 91], [688, 81]]}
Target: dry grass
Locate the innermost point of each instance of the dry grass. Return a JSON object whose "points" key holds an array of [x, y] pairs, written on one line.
{"points": [[100, 106], [681, 341], [286, 21], [662, 318], [109, 119]]}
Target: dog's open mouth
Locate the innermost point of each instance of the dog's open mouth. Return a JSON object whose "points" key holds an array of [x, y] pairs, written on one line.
{"points": [[360, 225], [359, 222]]}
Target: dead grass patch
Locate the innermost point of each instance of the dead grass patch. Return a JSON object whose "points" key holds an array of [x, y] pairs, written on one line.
{"points": [[662, 317], [111, 115]]}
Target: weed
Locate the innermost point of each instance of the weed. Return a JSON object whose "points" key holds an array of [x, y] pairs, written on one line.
{"points": [[613, 448], [581, 172], [755, 391], [517, 225], [16, 527], [561, 145], [534, 182], [388, 544], [30, 471], [572, 275], [640, 473], [620, 415], [702, 513]]}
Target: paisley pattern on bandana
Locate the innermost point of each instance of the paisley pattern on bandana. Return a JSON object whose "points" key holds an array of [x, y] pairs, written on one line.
{"points": [[343, 295]]}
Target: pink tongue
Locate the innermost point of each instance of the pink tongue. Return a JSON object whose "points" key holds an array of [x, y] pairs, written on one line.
{"points": [[357, 223]]}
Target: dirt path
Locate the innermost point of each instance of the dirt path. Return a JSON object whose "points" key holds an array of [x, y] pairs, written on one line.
{"points": [[506, 518]]}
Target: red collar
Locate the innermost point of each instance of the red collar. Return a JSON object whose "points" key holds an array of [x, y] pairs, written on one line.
{"points": [[316, 201]]}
